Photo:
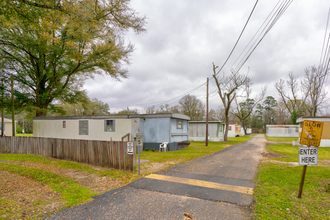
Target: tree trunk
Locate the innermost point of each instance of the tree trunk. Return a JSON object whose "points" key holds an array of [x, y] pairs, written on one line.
{"points": [[225, 138], [41, 113], [244, 127]]}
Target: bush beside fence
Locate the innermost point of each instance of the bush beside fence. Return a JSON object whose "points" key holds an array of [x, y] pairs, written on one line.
{"points": [[100, 153]]}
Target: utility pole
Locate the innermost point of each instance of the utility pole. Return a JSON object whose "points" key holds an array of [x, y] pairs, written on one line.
{"points": [[12, 104], [2, 107], [207, 113]]}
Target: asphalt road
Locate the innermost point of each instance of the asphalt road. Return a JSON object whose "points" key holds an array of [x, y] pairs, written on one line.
{"points": [[219, 186]]}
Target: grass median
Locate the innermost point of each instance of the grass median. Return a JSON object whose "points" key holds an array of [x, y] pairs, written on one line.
{"points": [[282, 139], [277, 185]]}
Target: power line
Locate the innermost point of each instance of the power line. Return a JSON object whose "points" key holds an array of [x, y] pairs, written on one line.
{"points": [[239, 37], [255, 34], [325, 35], [279, 12], [170, 100], [326, 56]]}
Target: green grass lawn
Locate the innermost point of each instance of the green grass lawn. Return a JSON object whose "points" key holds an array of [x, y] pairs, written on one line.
{"points": [[120, 175], [282, 139], [290, 153], [194, 150], [72, 193], [277, 185]]}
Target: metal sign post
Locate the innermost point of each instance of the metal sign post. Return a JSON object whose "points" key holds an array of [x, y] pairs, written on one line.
{"points": [[139, 144], [311, 136]]}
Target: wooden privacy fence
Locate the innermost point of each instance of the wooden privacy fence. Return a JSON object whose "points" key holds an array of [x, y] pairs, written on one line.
{"points": [[101, 153]]}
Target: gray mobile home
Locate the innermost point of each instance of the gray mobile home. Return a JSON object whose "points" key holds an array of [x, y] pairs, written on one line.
{"points": [[197, 130], [156, 128], [282, 130]]}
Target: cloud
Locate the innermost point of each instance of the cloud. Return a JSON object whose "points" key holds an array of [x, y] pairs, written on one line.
{"points": [[184, 37]]}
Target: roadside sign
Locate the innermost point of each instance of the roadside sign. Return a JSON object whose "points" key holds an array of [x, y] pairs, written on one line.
{"points": [[139, 144], [311, 133], [139, 139], [129, 147], [308, 155]]}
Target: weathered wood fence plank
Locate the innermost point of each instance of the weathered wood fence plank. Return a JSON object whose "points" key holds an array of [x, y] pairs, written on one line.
{"points": [[101, 153]]}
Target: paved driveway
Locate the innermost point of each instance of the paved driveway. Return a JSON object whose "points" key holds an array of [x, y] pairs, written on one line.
{"points": [[219, 186]]}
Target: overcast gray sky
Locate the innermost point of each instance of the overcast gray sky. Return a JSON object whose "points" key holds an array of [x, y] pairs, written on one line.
{"points": [[184, 37]]}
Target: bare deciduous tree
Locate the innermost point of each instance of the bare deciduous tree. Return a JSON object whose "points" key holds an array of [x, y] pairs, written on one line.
{"points": [[281, 114], [192, 107], [310, 88], [313, 89], [292, 102], [151, 110], [228, 87], [244, 109]]}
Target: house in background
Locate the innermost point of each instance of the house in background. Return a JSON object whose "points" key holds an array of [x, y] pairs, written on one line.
{"points": [[8, 127], [232, 129], [156, 128], [197, 130], [282, 130], [240, 130], [325, 138]]}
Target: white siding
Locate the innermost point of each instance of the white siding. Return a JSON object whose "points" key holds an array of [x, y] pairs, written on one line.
{"points": [[54, 129], [282, 131], [197, 131], [232, 131]]}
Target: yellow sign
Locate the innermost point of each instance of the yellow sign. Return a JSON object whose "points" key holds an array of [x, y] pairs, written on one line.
{"points": [[311, 133]]}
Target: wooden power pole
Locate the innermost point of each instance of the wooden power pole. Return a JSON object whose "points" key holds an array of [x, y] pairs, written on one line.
{"points": [[2, 107], [12, 104], [207, 113]]}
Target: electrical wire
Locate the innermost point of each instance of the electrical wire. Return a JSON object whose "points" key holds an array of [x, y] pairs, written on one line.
{"points": [[238, 37], [325, 36], [279, 12], [256, 33], [324, 65]]}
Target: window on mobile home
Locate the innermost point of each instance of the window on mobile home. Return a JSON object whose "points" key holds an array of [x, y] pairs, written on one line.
{"points": [[109, 125], [83, 127], [179, 124]]}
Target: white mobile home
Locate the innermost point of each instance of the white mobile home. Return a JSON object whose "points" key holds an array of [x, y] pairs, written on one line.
{"points": [[282, 130], [232, 129], [197, 130], [8, 127], [240, 130], [156, 128]]}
